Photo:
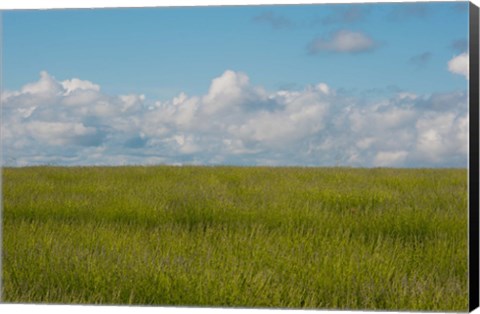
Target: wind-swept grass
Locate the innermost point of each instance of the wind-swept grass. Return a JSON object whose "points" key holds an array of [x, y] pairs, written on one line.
{"points": [[228, 236]]}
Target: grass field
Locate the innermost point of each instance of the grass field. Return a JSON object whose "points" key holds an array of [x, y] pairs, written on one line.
{"points": [[333, 238]]}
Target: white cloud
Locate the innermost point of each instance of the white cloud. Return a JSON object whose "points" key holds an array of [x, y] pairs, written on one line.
{"points": [[406, 96], [59, 133], [131, 102], [383, 118], [229, 91], [323, 88], [234, 122], [343, 41], [76, 84], [186, 144], [365, 143], [441, 135], [80, 97], [385, 159], [459, 64], [47, 85], [295, 116]]}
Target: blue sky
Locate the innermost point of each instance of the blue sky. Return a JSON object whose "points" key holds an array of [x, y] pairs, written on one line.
{"points": [[317, 85]]}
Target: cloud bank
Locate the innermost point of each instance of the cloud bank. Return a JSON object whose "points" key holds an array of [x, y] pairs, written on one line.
{"points": [[73, 122]]}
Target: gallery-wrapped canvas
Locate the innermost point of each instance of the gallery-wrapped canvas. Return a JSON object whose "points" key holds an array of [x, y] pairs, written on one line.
{"points": [[308, 156]]}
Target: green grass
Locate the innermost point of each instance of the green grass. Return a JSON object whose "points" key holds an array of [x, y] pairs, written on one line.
{"points": [[332, 238]]}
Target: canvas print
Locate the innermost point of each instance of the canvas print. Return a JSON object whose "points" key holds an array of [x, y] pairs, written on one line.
{"points": [[275, 156]]}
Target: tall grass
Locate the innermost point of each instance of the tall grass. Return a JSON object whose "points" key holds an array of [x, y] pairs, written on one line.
{"points": [[332, 238]]}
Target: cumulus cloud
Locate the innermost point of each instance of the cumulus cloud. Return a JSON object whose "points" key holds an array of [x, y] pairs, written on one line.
{"points": [[60, 114], [46, 85], [61, 133], [76, 84], [343, 41], [442, 134], [230, 91], [234, 122], [459, 64]]}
